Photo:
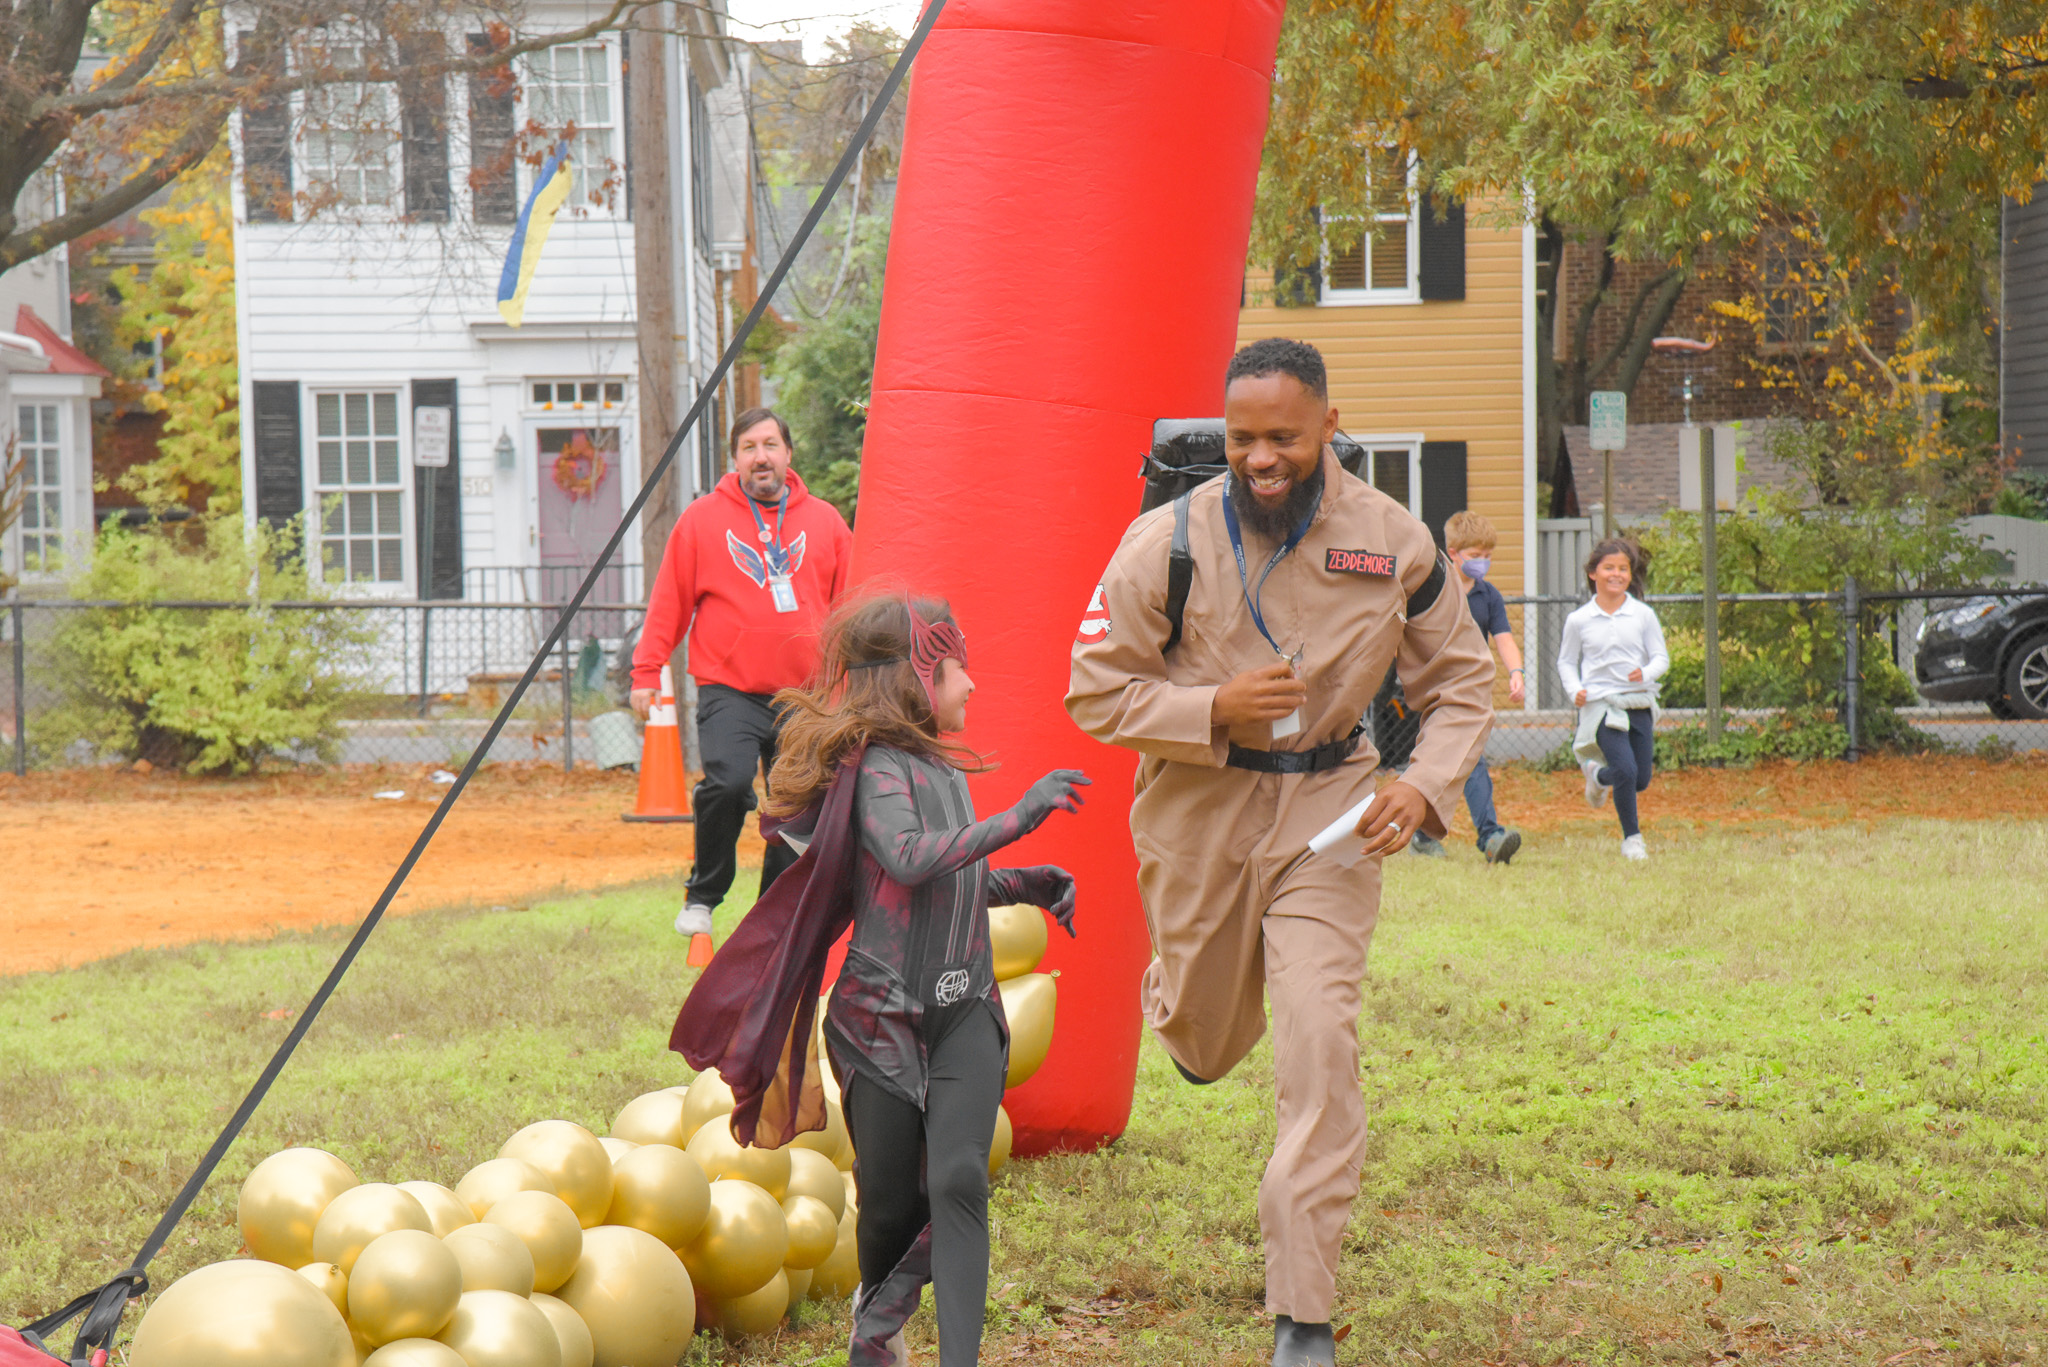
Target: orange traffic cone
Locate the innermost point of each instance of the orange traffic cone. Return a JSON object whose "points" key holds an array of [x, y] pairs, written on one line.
{"points": [[664, 786]]}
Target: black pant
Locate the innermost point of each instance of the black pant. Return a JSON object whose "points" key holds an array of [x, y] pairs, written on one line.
{"points": [[931, 1167], [736, 735], [1629, 756]]}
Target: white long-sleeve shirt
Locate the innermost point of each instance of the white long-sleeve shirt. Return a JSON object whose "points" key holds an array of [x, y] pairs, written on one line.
{"points": [[1601, 649]]}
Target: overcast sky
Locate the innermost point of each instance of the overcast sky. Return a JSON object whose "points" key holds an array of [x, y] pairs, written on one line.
{"points": [[816, 20]]}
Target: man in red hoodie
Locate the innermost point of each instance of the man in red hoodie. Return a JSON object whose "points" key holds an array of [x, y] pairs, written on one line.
{"points": [[750, 573]]}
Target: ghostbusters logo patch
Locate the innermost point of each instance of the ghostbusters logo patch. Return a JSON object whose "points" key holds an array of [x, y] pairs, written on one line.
{"points": [[1359, 562], [1095, 622]]}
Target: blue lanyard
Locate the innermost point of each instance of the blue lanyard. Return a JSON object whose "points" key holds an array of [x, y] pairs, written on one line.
{"points": [[1252, 595], [777, 557]]}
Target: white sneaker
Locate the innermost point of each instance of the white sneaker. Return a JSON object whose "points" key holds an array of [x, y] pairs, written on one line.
{"points": [[1632, 847], [693, 919], [1596, 791]]}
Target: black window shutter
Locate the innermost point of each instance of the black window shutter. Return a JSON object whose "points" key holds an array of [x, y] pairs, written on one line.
{"points": [[1443, 484], [266, 145], [280, 481], [443, 578], [1441, 270], [1299, 287], [492, 108], [423, 124]]}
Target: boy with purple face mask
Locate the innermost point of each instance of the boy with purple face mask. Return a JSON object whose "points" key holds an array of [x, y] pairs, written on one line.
{"points": [[1469, 539]]}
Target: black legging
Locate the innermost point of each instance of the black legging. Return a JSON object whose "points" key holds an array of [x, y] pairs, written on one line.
{"points": [[905, 1153], [1629, 756]]}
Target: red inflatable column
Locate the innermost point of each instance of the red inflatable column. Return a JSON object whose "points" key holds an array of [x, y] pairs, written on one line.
{"points": [[1065, 267]]}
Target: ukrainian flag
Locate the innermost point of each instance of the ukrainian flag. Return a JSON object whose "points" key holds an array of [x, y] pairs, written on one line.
{"points": [[530, 233]]}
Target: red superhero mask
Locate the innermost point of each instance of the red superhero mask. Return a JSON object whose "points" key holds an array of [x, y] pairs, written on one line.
{"points": [[930, 643]]}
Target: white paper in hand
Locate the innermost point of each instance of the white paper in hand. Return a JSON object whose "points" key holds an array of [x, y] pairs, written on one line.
{"points": [[1340, 840]]}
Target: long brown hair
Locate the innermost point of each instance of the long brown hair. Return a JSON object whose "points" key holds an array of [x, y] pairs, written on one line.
{"points": [[846, 704], [1629, 549]]}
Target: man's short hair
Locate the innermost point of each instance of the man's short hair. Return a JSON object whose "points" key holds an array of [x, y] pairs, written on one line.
{"points": [[753, 417], [1468, 531], [1280, 356]]}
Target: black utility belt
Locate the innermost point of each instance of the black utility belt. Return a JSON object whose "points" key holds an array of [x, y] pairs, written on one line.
{"points": [[1314, 761]]}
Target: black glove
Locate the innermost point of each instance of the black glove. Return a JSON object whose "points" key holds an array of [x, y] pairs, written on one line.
{"points": [[1060, 887], [1053, 793], [1039, 885]]}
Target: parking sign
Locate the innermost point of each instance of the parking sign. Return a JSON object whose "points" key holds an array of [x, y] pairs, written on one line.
{"points": [[1608, 428]]}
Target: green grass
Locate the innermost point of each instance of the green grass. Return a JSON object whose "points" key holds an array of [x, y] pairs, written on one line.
{"points": [[1769, 1095]]}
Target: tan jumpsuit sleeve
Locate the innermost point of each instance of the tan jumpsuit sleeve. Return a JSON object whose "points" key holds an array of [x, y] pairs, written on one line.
{"points": [[1118, 691], [1447, 676]]}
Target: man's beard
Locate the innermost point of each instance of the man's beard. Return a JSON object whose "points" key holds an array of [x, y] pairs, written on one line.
{"points": [[1276, 524]]}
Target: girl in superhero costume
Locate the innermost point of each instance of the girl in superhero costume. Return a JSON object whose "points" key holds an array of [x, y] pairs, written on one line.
{"points": [[874, 797]]}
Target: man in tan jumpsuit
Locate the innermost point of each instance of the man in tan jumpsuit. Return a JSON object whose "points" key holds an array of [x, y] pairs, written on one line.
{"points": [[1232, 896]]}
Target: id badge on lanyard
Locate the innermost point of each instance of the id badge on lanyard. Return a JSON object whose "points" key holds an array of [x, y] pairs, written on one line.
{"points": [[784, 592], [779, 586]]}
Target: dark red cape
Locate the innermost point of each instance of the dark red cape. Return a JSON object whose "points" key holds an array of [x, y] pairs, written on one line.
{"points": [[753, 1013]]}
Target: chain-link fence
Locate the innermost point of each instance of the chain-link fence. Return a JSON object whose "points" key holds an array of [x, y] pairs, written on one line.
{"points": [[1956, 669], [349, 682]]}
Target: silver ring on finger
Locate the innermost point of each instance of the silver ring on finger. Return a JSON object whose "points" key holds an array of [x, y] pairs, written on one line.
{"points": [[1394, 826]]}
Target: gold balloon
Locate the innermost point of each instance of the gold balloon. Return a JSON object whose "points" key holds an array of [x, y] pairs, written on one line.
{"points": [[811, 1174], [282, 1199], [632, 1292], [1017, 936], [550, 1229], [576, 1166], [799, 1282], [999, 1147], [490, 1182], [656, 1118], [744, 1242], [448, 1211], [618, 1148], [492, 1258], [570, 1330], [661, 1190], [1028, 1005], [757, 1312], [830, 1141], [840, 1273], [359, 1215], [499, 1329], [852, 1193], [404, 1286], [707, 1096], [813, 1231], [720, 1155], [414, 1353], [362, 1345], [331, 1280], [244, 1313]]}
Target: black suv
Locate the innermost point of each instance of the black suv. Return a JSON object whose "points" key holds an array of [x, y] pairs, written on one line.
{"points": [[1989, 650]]}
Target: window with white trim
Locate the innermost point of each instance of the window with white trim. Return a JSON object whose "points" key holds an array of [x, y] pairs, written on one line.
{"points": [[1395, 469], [40, 448], [1382, 265], [569, 93], [348, 133], [551, 396], [359, 481]]}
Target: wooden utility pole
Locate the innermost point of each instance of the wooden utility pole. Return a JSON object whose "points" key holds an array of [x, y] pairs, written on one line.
{"points": [[654, 267]]}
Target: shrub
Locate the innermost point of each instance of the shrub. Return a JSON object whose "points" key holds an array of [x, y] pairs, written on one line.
{"points": [[210, 690]]}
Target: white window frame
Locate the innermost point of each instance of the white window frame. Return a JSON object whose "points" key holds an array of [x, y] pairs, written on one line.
{"points": [[612, 392], [531, 85], [49, 538], [1411, 442], [1411, 292], [317, 516], [320, 179]]}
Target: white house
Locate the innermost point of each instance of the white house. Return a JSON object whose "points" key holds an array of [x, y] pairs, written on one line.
{"points": [[371, 227]]}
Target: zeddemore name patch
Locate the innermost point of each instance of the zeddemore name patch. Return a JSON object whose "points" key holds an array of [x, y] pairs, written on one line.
{"points": [[1359, 562]]}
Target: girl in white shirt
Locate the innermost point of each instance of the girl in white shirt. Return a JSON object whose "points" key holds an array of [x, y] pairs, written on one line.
{"points": [[1611, 658]]}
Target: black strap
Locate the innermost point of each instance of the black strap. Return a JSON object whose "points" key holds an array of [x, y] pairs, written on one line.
{"points": [[108, 1302], [1327, 756], [102, 1310], [1424, 598], [1180, 572]]}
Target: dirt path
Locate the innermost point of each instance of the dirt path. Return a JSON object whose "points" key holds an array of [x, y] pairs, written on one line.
{"points": [[105, 861], [122, 860]]}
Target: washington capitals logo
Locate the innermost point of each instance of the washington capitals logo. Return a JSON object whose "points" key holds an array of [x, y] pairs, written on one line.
{"points": [[755, 566]]}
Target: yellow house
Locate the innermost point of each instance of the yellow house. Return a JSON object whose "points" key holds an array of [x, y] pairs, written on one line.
{"points": [[1428, 330]]}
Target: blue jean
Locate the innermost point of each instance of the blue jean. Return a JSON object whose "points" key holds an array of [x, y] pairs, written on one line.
{"points": [[1479, 802]]}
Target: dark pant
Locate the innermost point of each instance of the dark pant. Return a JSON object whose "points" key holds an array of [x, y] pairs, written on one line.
{"points": [[1479, 802], [931, 1167], [736, 735], [1627, 769]]}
